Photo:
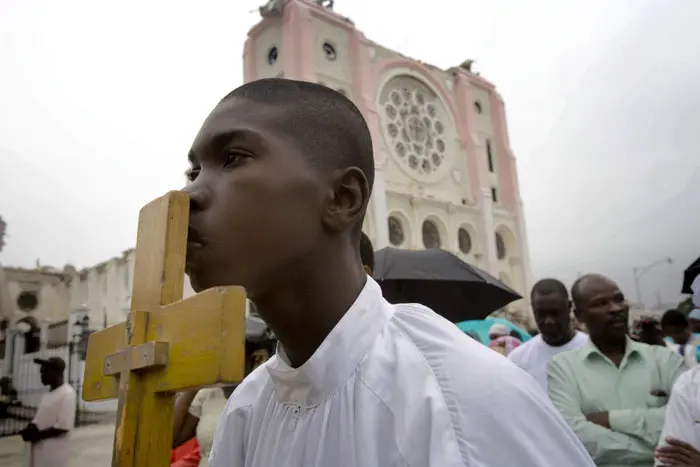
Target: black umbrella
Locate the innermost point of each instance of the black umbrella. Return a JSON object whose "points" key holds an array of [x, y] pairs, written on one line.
{"points": [[689, 276], [439, 280]]}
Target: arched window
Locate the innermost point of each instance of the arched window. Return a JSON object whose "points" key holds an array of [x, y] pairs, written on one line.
{"points": [[396, 233], [431, 234], [464, 240], [500, 247]]}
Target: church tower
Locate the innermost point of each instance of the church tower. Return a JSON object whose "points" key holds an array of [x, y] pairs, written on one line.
{"points": [[445, 174]]}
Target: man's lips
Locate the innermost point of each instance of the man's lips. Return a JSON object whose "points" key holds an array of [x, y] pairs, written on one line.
{"points": [[617, 323], [194, 240]]}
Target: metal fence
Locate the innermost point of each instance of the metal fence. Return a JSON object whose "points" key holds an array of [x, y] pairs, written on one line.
{"points": [[21, 389]]}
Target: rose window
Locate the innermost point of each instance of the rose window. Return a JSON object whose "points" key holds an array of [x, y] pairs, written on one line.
{"points": [[415, 125]]}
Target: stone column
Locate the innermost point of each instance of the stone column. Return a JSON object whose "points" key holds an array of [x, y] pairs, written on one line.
{"points": [[379, 210], [299, 42], [524, 251], [489, 231]]}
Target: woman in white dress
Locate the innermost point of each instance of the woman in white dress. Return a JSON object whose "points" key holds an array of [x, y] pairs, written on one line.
{"points": [[197, 414]]}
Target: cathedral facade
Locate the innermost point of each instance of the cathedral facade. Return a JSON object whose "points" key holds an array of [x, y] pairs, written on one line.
{"points": [[445, 173]]}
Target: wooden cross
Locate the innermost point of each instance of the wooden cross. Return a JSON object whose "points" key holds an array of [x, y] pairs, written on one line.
{"points": [[167, 344]]}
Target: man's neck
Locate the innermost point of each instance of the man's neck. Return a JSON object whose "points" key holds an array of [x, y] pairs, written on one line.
{"points": [[303, 312], [56, 385], [613, 349], [561, 342]]}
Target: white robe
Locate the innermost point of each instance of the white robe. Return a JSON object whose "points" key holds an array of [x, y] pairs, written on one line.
{"points": [[393, 385]]}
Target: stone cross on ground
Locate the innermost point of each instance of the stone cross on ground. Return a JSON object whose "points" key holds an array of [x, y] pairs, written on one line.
{"points": [[167, 344]]}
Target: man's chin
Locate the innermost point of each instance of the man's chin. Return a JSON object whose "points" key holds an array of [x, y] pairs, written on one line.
{"points": [[201, 281], [196, 283]]}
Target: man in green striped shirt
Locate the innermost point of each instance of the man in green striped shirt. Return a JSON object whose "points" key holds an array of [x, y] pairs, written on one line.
{"points": [[612, 391]]}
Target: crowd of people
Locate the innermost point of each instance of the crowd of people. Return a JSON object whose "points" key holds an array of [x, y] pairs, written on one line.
{"points": [[620, 390], [612, 385]]}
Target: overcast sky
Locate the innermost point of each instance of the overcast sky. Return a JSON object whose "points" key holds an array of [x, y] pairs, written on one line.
{"points": [[99, 105]]}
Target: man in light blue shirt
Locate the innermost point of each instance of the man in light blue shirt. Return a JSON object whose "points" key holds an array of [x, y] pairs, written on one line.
{"points": [[612, 391]]}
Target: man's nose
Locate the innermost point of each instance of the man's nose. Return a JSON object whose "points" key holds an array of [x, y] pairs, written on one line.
{"points": [[197, 196]]}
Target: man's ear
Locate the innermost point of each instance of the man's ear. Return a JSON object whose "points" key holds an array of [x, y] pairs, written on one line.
{"points": [[347, 199]]}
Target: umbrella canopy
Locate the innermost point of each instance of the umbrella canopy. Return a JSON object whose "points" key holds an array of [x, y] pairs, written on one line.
{"points": [[689, 276], [440, 280], [479, 329]]}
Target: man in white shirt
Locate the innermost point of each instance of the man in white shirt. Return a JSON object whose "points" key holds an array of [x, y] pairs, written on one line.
{"points": [[679, 444], [552, 310], [281, 176], [49, 431]]}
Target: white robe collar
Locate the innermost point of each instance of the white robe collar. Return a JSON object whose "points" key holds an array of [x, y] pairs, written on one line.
{"points": [[340, 353]]}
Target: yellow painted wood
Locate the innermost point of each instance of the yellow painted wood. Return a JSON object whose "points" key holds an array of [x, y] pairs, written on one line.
{"points": [[204, 337], [141, 357]]}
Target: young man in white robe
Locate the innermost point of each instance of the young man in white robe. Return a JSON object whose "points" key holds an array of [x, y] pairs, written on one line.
{"points": [[281, 175]]}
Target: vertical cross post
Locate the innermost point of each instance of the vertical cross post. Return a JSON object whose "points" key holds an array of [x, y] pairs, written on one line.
{"points": [[167, 344]]}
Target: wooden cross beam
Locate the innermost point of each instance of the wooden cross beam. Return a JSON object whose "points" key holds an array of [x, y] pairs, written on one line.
{"points": [[167, 344]]}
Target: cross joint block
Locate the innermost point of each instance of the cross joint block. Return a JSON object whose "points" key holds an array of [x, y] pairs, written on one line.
{"points": [[148, 356]]}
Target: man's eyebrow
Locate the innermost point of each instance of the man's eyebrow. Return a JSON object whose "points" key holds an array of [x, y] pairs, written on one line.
{"points": [[243, 134], [220, 139]]}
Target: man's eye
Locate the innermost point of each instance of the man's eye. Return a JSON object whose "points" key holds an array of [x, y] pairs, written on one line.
{"points": [[192, 173], [235, 157]]}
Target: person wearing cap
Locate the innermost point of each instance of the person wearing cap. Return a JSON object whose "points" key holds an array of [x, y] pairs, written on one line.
{"points": [[49, 431], [501, 339]]}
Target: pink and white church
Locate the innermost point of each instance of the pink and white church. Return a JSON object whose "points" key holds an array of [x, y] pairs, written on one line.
{"points": [[445, 173]]}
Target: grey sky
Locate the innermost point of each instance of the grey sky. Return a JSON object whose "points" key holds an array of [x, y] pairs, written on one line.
{"points": [[99, 104]]}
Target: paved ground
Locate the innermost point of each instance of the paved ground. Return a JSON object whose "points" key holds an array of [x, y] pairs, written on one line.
{"points": [[91, 446]]}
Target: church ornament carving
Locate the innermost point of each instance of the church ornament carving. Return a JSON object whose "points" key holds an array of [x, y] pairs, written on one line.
{"points": [[272, 9], [415, 127]]}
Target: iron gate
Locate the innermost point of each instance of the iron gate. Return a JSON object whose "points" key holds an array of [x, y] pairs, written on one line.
{"points": [[21, 389]]}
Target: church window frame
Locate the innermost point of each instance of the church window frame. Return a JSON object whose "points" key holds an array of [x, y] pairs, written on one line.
{"points": [[430, 228], [27, 301], [329, 51], [501, 249], [396, 230], [424, 151], [465, 242], [489, 156], [272, 55]]}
